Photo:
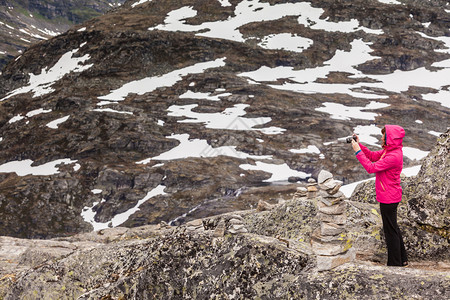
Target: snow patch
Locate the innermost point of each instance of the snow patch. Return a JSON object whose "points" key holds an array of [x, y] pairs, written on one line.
{"points": [[48, 32], [230, 119], [41, 84], [225, 3], [390, 2], [310, 17], [37, 112], [89, 215], [310, 149], [286, 41], [199, 148], [16, 119], [279, 172], [304, 81], [150, 84], [341, 112], [248, 11], [24, 167], [414, 153], [112, 110], [435, 133], [139, 3], [54, 124], [205, 96]]}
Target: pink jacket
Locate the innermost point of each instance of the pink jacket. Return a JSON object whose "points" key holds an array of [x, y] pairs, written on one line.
{"points": [[387, 164]]}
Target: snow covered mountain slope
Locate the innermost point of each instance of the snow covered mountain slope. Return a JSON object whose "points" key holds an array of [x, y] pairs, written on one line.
{"points": [[24, 22], [172, 110]]}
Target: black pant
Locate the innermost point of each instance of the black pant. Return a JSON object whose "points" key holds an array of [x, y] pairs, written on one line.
{"points": [[394, 241]]}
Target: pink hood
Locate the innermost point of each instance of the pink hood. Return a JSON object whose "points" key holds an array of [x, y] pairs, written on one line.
{"points": [[394, 136], [387, 164]]}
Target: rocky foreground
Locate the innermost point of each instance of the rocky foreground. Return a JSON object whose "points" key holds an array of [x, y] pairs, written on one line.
{"points": [[100, 144], [173, 263], [263, 253]]}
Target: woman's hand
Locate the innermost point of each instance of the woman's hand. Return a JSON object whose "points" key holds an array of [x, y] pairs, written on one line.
{"points": [[355, 146]]}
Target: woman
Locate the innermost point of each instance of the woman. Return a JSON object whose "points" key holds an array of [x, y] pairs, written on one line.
{"points": [[387, 165]]}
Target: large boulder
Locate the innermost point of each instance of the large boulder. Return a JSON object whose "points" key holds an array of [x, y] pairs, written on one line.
{"points": [[293, 219], [429, 194]]}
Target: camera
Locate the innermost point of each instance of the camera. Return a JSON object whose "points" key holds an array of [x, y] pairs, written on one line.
{"points": [[349, 139]]}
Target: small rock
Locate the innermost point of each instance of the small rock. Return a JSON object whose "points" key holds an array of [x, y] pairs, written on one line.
{"points": [[331, 201], [193, 228], [336, 209], [294, 179], [301, 192], [234, 229], [335, 189], [335, 219], [263, 205], [237, 226], [234, 216], [328, 238], [329, 249], [325, 263], [312, 188], [328, 184], [302, 189], [331, 229], [311, 180], [324, 176], [195, 223], [235, 221], [339, 194]]}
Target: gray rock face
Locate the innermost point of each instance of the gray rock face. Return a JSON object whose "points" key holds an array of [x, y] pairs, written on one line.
{"points": [[365, 192], [428, 194]]}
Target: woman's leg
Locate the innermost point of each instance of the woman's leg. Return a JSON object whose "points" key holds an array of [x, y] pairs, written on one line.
{"points": [[394, 241]]}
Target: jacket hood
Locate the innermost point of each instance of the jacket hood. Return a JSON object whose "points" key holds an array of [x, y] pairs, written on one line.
{"points": [[394, 136]]}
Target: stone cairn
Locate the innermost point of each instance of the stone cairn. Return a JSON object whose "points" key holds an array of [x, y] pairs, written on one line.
{"points": [[223, 224], [330, 242]]}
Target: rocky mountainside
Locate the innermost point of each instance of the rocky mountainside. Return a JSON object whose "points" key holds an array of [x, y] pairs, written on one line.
{"points": [[260, 253], [177, 110], [24, 22]]}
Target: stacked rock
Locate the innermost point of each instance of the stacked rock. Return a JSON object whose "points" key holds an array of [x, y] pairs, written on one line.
{"points": [[330, 242], [236, 225], [223, 224], [312, 188], [301, 193], [195, 225]]}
